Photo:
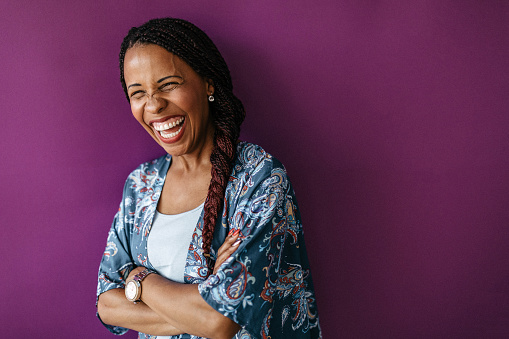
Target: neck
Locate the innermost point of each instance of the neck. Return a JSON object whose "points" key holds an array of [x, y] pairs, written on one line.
{"points": [[199, 159]]}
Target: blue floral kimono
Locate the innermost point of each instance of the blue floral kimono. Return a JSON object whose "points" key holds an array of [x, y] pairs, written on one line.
{"points": [[265, 286]]}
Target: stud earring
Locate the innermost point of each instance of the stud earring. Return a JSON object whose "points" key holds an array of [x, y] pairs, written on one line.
{"points": [[211, 98]]}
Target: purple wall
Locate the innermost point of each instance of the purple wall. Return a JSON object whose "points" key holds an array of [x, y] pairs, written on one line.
{"points": [[391, 118]]}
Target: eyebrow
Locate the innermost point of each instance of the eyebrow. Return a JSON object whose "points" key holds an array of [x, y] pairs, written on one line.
{"points": [[170, 76], [158, 81], [131, 85]]}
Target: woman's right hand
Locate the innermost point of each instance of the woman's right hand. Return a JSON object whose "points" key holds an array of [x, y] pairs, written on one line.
{"points": [[229, 246]]}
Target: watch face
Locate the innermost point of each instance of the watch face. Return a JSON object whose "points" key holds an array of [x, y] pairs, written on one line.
{"points": [[130, 291]]}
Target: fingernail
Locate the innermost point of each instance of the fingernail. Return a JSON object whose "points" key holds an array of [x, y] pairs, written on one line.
{"points": [[231, 231], [236, 232], [236, 243]]}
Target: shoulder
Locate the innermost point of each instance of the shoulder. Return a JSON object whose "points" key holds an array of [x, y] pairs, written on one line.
{"points": [[253, 160], [256, 172]]}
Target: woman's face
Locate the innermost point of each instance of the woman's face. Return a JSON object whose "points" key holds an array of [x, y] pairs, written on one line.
{"points": [[169, 99]]}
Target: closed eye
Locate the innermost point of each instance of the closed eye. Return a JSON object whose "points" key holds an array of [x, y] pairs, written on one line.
{"points": [[169, 86], [137, 94]]}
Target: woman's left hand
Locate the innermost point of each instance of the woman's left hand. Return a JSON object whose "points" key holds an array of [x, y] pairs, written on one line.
{"points": [[229, 246]]}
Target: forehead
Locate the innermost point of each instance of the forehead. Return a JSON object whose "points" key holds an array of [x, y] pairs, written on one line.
{"points": [[153, 59]]}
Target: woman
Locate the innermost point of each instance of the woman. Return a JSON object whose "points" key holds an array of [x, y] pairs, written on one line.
{"points": [[207, 241]]}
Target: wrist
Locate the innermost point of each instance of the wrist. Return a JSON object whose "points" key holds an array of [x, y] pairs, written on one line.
{"points": [[133, 286], [135, 270]]}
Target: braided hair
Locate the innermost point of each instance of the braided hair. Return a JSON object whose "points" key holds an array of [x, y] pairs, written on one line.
{"points": [[192, 45]]}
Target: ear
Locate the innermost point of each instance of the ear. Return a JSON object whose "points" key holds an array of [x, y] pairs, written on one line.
{"points": [[210, 86]]}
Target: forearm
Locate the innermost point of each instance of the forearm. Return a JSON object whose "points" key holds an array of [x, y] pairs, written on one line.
{"points": [[182, 305], [114, 309]]}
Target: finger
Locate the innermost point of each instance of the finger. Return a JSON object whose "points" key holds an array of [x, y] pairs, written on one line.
{"points": [[233, 234], [233, 231], [221, 258], [225, 246], [228, 251], [230, 239]]}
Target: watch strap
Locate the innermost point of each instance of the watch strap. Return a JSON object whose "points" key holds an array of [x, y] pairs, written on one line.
{"points": [[143, 274]]}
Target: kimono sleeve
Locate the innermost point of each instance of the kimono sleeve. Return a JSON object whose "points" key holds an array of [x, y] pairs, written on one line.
{"points": [[265, 286], [116, 262]]}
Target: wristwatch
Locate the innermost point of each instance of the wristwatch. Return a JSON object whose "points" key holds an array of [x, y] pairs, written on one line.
{"points": [[133, 287]]}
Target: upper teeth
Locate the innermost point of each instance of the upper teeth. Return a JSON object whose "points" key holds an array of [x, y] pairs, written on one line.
{"points": [[164, 126]]}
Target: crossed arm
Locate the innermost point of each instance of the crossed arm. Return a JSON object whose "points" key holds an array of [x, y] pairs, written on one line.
{"points": [[168, 307]]}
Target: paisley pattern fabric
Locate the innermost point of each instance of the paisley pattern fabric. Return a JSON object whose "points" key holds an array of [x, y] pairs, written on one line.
{"points": [[265, 286]]}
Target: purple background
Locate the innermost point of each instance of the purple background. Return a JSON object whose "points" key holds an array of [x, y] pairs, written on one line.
{"points": [[390, 116]]}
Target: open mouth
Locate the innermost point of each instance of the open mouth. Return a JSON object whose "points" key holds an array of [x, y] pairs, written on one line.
{"points": [[170, 128]]}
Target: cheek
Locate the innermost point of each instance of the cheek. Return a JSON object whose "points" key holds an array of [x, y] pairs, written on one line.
{"points": [[187, 101], [197, 106], [191, 99]]}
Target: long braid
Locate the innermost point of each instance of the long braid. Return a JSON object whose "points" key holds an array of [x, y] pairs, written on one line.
{"points": [[192, 45]]}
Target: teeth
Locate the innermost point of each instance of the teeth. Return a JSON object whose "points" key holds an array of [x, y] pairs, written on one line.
{"points": [[168, 125], [170, 135]]}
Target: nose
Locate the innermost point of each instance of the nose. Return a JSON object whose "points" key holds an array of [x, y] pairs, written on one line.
{"points": [[155, 104]]}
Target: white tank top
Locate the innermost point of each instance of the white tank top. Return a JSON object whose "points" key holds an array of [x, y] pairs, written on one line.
{"points": [[168, 242]]}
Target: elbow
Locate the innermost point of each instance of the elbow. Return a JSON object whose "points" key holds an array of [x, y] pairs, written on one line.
{"points": [[104, 309], [224, 328]]}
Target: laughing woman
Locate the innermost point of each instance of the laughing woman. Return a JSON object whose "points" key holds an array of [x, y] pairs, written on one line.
{"points": [[208, 240]]}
